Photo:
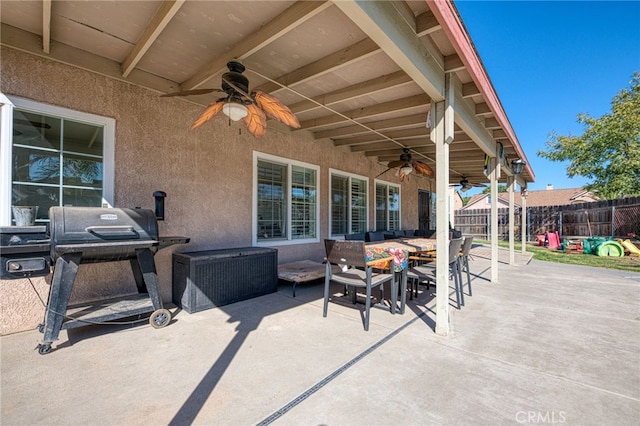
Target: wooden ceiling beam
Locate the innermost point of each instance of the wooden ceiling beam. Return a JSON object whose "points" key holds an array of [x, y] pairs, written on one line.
{"points": [[355, 52], [483, 109], [467, 156], [387, 81], [418, 57], [297, 14], [397, 135], [469, 89], [163, 16], [46, 26], [453, 63], [459, 147], [407, 121], [491, 123], [394, 153], [380, 146], [32, 43], [371, 111], [426, 23], [499, 134]]}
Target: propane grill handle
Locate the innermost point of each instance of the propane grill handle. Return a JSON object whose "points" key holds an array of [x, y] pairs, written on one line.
{"points": [[112, 231]]}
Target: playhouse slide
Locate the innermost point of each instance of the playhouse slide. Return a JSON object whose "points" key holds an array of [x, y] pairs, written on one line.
{"points": [[610, 248], [630, 247]]}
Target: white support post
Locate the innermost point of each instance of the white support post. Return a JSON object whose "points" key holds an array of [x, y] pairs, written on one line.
{"points": [[510, 188], [493, 178], [523, 226], [442, 217]]}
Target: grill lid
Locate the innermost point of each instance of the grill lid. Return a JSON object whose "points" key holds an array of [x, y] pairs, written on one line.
{"points": [[102, 234]]}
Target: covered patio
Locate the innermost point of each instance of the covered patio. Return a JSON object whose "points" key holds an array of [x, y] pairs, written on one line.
{"points": [[368, 81], [560, 349]]}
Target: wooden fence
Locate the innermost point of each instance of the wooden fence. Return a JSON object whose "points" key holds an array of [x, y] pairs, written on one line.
{"points": [[607, 218]]}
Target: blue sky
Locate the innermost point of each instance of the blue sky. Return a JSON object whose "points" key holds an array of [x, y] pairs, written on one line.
{"points": [[551, 60]]}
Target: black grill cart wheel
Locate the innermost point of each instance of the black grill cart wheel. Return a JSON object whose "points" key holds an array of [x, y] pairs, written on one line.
{"points": [[160, 318], [44, 348]]}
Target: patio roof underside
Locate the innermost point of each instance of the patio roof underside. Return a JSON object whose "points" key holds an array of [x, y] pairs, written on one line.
{"points": [[359, 74]]}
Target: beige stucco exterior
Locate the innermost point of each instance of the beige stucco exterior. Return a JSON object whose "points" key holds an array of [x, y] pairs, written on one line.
{"points": [[207, 174]]}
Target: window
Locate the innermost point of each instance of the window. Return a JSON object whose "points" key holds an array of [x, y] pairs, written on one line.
{"points": [[387, 207], [348, 204], [285, 201], [58, 157]]}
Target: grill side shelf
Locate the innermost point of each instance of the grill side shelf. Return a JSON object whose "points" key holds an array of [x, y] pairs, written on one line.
{"points": [[97, 248]]}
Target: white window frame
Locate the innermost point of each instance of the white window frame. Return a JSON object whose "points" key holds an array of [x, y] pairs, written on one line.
{"points": [[254, 213], [7, 105], [375, 210], [340, 173]]}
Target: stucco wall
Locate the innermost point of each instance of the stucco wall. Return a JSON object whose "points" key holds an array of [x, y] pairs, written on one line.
{"points": [[206, 173]]}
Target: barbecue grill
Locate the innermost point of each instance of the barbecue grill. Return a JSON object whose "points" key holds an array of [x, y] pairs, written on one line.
{"points": [[89, 235]]}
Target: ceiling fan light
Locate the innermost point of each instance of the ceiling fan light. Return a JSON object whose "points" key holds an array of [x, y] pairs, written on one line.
{"points": [[406, 169], [235, 111]]}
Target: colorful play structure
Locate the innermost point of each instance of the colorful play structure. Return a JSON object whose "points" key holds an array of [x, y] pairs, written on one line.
{"points": [[630, 247], [593, 245]]}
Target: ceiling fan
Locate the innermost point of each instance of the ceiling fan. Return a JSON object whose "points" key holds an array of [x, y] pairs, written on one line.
{"points": [[407, 165], [238, 104], [465, 185]]}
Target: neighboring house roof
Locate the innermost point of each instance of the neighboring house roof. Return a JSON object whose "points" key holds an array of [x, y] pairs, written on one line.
{"points": [[544, 197], [457, 200]]}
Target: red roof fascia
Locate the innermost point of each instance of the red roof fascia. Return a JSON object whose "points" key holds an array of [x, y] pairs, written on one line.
{"points": [[447, 15]]}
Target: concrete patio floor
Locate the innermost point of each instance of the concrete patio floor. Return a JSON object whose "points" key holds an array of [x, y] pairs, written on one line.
{"points": [[549, 343]]}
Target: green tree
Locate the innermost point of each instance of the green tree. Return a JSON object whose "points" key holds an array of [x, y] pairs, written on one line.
{"points": [[608, 152], [501, 188]]}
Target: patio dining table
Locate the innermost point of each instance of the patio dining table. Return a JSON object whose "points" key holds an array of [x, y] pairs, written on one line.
{"points": [[399, 249]]}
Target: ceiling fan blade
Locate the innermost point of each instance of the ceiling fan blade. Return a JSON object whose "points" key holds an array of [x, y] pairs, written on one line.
{"points": [[385, 171], [396, 163], [209, 113], [190, 92], [423, 169], [275, 109], [256, 121]]}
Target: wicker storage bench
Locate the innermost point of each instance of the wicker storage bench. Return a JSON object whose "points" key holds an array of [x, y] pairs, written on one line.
{"points": [[206, 279]]}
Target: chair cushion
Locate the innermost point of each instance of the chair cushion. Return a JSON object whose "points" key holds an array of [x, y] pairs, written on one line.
{"points": [[422, 272], [358, 278]]}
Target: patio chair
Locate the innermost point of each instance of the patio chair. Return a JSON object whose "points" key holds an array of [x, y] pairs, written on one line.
{"points": [[423, 233], [357, 237], [427, 273], [373, 236], [392, 235], [356, 272], [464, 260]]}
